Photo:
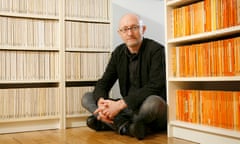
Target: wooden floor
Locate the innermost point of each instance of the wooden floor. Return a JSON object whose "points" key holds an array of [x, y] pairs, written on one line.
{"points": [[83, 135]]}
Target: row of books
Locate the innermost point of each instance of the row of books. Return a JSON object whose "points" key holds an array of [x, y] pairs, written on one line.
{"points": [[41, 7], [28, 33], [204, 16], [87, 35], [215, 58], [29, 65], [73, 100], [209, 107], [96, 9], [20, 103], [85, 66]]}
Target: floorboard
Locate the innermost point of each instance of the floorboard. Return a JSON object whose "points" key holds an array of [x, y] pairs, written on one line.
{"points": [[83, 135]]}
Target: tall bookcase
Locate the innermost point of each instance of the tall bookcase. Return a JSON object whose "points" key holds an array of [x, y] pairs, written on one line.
{"points": [[203, 50], [87, 48], [51, 52]]}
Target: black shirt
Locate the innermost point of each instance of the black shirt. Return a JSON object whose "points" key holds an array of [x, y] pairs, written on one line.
{"points": [[133, 72]]}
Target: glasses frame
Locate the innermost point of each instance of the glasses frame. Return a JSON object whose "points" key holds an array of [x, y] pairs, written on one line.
{"points": [[133, 28]]}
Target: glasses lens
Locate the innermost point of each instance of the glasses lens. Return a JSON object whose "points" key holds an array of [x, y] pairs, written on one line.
{"points": [[132, 28]]}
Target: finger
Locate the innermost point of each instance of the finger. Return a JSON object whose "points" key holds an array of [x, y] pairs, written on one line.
{"points": [[107, 120], [104, 118], [99, 109], [101, 115], [96, 111], [105, 111]]}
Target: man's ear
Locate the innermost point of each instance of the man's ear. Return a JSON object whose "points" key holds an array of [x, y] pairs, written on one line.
{"points": [[144, 29]]}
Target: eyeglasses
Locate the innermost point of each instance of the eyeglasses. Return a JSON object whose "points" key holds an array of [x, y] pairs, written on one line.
{"points": [[132, 28]]}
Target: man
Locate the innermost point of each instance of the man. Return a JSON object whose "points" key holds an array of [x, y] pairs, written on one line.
{"points": [[139, 66]]}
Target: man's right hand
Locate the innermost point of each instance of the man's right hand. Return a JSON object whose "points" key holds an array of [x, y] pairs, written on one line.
{"points": [[102, 106]]}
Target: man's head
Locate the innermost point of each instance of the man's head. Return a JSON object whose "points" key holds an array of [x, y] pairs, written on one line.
{"points": [[131, 30]]}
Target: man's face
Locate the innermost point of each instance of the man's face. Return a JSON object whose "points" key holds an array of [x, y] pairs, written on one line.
{"points": [[131, 31]]}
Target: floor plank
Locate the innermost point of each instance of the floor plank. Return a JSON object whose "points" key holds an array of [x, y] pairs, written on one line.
{"points": [[83, 135]]}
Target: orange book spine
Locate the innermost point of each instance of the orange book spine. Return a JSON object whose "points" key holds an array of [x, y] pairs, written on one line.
{"points": [[192, 61], [229, 67], [226, 14], [199, 59], [232, 56], [216, 62], [238, 111], [181, 61], [198, 17], [230, 110], [191, 106], [185, 105], [212, 59], [209, 107], [238, 12], [208, 15], [187, 20], [237, 55], [220, 58], [223, 110], [186, 56], [206, 59], [214, 109], [177, 105], [225, 47], [203, 107], [219, 14], [179, 108], [174, 63], [218, 108], [234, 12], [213, 15], [197, 106], [174, 23]]}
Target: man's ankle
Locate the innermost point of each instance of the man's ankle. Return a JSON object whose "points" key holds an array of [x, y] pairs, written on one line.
{"points": [[94, 123], [138, 130]]}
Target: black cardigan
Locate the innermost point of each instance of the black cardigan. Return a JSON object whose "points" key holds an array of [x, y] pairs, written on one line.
{"points": [[152, 74]]}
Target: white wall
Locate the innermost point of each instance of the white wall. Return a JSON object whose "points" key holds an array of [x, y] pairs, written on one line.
{"points": [[152, 14]]}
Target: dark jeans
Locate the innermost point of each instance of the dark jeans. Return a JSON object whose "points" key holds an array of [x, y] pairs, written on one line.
{"points": [[153, 112]]}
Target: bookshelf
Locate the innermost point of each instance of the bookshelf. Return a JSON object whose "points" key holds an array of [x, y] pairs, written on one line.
{"points": [[51, 52], [87, 50], [202, 46]]}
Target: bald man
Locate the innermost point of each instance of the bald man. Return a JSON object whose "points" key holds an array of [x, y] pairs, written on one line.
{"points": [[139, 66]]}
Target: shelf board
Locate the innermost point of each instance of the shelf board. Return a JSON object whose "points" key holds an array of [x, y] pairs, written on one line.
{"points": [[196, 79], [94, 20], [207, 129], [27, 81], [82, 80], [88, 50], [27, 48], [9, 120], [29, 124], [28, 15], [177, 3], [206, 35]]}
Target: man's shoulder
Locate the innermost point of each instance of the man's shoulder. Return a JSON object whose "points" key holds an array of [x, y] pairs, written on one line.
{"points": [[120, 48], [152, 46], [153, 42]]}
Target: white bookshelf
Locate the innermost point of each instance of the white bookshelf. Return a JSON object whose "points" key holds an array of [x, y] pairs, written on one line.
{"points": [[87, 50], [196, 132]]}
